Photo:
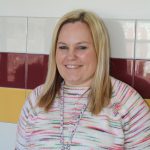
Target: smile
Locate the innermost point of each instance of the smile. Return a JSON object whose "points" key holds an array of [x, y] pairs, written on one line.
{"points": [[72, 66]]}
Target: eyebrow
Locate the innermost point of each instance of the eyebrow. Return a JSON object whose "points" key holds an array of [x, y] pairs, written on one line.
{"points": [[76, 43], [61, 43]]}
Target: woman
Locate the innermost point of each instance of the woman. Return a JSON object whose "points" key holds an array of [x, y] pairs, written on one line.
{"points": [[80, 107]]}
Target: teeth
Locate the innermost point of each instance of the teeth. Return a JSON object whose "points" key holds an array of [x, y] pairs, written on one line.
{"points": [[72, 66]]}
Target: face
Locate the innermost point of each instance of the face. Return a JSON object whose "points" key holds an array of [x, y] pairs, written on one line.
{"points": [[75, 54]]}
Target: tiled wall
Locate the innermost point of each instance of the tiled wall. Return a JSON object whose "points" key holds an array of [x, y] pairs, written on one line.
{"points": [[130, 53], [24, 48]]}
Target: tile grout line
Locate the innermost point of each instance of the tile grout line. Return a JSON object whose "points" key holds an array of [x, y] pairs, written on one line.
{"points": [[26, 60], [134, 54]]}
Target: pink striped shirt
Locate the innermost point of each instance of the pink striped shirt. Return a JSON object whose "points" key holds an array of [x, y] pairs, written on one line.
{"points": [[123, 125]]}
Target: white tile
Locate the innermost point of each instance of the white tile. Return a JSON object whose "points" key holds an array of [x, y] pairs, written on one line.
{"points": [[142, 50], [39, 35], [122, 37], [7, 136], [13, 31]]}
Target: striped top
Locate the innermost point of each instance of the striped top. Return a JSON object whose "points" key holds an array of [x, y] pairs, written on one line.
{"points": [[123, 125]]}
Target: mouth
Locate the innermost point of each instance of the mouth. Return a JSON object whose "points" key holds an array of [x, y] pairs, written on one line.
{"points": [[72, 66]]}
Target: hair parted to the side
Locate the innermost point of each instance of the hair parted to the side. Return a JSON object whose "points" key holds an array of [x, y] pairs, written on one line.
{"points": [[101, 89]]}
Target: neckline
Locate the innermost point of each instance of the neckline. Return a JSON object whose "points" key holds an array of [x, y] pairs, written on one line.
{"points": [[75, 87]]}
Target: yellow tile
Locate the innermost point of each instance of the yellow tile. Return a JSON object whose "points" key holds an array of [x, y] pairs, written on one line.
{"points": [[148, 101], [28, 92], [11, 102]]}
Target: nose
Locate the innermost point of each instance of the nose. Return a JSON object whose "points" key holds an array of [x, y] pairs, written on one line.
{"points": [[71, 55]]}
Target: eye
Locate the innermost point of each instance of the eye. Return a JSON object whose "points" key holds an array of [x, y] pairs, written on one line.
{"points": [[62, 47], [82, 47]]}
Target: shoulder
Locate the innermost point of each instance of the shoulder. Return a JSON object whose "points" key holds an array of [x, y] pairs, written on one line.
{"points": [[122, 90], [37, 91], [125, 98], [33, 96]]}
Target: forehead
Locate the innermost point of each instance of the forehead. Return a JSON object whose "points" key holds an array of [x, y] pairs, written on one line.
{"points": [[75, 30], [74, 25]]}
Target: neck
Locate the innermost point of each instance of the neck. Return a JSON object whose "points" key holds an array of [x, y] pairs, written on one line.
{"points": [[77, 85]]}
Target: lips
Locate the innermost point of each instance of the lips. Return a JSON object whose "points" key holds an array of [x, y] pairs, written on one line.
{"points": [[72, 66]]}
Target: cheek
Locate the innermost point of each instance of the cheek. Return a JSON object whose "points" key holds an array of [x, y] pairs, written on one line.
{"points": [[58, 58], [93, 64], [90, 59]]}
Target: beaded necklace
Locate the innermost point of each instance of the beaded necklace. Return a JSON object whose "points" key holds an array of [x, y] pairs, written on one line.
{"points": [[75, 125]]}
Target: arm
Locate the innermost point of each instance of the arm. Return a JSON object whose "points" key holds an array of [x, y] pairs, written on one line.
{"points": [[136, 122], [22, 135]]}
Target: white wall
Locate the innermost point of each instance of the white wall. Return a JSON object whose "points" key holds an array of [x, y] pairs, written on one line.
{"points": [[122, 9], [114, 9], [7, 136]]}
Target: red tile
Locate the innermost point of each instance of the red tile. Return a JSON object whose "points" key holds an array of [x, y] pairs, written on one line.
{"points": [[122, 69], [142, 77], [37, 69], [12, 70]]}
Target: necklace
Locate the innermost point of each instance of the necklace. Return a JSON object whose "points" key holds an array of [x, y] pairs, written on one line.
{"points": [[75, 125]]}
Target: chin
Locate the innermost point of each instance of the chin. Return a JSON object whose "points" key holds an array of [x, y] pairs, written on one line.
{"points": [[72, 83]]}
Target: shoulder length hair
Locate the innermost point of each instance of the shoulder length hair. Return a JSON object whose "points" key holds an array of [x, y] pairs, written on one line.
{"points": [[100, 93]]}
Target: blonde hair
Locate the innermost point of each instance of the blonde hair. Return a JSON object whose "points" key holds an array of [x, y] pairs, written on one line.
{"points": [[101, 90]]}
